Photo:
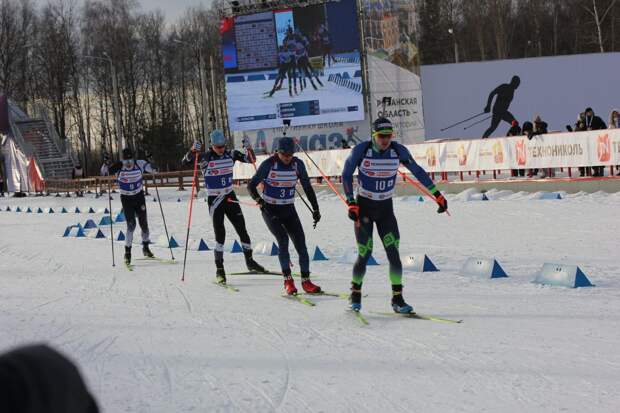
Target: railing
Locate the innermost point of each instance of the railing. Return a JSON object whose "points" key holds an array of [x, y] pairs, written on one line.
{"points": [[102, 183], [62, 145]]}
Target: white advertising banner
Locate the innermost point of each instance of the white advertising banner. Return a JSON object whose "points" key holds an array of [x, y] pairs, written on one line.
{"points": [[594, 148], [404, 104]]}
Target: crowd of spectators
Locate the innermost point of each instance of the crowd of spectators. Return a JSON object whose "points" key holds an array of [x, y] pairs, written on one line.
{"points": [[586, 121]]}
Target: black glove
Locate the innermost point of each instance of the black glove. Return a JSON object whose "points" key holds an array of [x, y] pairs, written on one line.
{"points": [[442, 202], [354, 210], [316, 216], [261, 203]]}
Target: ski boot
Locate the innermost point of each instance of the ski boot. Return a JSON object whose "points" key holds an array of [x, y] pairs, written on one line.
{"points": [[308, 286], [289, 284], [127, 255], [251, 264], [356, 297], [220, 276], [398, 302], [146, 251]]}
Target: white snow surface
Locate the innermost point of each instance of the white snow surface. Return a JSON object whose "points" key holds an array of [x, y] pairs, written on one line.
{"points": [[148, 342]]}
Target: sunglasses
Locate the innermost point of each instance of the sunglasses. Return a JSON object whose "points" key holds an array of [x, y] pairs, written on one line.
{"points": [[219, 146]]}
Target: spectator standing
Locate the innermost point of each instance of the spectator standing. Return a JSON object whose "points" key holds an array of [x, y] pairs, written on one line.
{"points": [[580, 126], [528, 130], [614, 119], [541, 128], [515, 130], [593, 122], [614, 123]]}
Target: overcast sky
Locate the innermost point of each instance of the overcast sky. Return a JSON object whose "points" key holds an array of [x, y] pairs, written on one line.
{"points": [[171, 8]]}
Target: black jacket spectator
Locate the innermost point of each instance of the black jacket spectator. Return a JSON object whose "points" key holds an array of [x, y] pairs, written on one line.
{"points": [[580, 125], [540, 126], [593, 122]]}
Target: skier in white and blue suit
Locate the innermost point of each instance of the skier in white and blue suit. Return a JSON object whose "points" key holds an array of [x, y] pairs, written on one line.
{"points": [[279, 175], [217, 165], [377, 162], [129, 175]]}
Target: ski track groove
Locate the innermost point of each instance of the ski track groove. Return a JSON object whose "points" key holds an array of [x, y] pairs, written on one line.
{"points": [[273, 331], [221, 390], [262, 394], [45, 303], [187, 302]]}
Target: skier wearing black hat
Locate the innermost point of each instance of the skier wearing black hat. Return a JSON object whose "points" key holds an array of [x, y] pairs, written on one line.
{"points": [[216, 165], [279, 175], [378, 161], [129, 176]]}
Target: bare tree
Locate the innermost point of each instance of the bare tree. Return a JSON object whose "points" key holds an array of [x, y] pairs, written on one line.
{"points": [[599, 18]]}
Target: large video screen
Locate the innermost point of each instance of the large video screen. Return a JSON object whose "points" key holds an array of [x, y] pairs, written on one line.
{"points": [[301, 64]]}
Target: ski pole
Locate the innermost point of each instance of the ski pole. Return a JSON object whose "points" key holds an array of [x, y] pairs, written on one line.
{"points": [[287, 124], [461, 122], [111, 224], [232, 201], [304, 201], [420, 188], [189, 220], [477, 122], [331, 185], [163, 217]]}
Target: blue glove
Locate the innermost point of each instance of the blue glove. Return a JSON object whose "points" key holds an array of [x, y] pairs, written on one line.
{"points": [[197, 146]]}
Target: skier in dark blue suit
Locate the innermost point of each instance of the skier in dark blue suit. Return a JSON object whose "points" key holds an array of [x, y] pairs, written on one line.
{"points": [[217, 168], [279, 175], [378, 161]]}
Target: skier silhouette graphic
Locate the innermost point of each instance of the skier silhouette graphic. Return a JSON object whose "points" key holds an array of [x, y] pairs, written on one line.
{"points": [[505, 93]]}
